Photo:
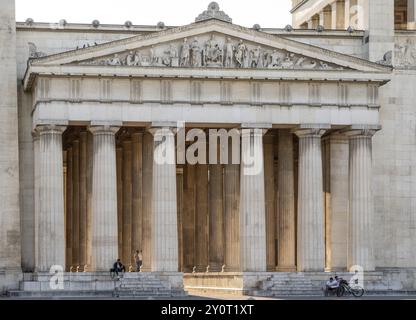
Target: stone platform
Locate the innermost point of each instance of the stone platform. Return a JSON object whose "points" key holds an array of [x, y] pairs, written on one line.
{"points": [[95, 284], [303, 284]]}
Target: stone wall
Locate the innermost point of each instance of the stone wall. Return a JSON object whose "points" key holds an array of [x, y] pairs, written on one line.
{"points": [[394, 159], [9, 165]]}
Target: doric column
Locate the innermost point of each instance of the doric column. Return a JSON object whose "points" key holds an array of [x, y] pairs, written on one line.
{"points": [[252, 202], [311, 226], [286, 258], [51, 241], [68, 208], [232, 213], [137, 142], [83, 202], [188, 221], [361, 200], [338, 15], [216, 217], [119, 161], [313, 22], [127, 203], [179, 190], [104, 198], [164, 222], [411, 14], [325, 17], [336, 200], [75, 203], [147, 200], [36, 192], [90, 154], [201, 219], [270, 201]]}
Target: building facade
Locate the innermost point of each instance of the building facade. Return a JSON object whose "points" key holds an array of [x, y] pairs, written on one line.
{"points": [[326, 106]]}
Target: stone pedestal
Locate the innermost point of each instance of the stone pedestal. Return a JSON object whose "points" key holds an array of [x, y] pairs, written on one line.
{"points": [[252, 203], [51, 224], [311, 226], [104, 199]]}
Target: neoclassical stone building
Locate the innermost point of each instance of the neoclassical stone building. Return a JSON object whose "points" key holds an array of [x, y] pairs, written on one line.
{"points": [[327, 106]]}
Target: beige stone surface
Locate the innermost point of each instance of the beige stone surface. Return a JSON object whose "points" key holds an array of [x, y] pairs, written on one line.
{"points": [[212, 97], [104, 199], [10, 236]]}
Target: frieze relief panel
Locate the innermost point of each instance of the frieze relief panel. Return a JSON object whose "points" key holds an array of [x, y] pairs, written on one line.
{"points": [[405, 52], [212, 51]]}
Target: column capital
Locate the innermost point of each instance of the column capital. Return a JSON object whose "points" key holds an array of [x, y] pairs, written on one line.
{"points": [[163, 124], [253, 131], [314, 130], [161, 130], [361, 131], [49, 128], [103, 129]]}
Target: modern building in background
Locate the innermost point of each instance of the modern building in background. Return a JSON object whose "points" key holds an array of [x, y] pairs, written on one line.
{"points": [[327, 105]]}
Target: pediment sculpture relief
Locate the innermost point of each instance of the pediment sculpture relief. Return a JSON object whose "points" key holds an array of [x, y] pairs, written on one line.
{"points": [[212, 51], [405, 53]]}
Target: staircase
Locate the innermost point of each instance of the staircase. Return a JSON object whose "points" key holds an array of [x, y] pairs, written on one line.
{"points": [[284, 284], [143, 285], [81, 285]]}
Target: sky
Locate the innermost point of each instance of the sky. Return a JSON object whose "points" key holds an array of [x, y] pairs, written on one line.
{"points": [[267, 13]]}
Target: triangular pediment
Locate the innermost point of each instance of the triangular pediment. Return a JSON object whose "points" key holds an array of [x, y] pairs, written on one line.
{"points": [[211, 44]]}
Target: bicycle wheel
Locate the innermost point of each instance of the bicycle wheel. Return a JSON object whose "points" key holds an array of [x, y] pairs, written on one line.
{"points": [[357, 292]]}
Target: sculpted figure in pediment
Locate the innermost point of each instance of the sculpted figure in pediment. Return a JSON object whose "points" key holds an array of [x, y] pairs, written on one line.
{"points": [[274, 60], [172, 60], [185, 52], [196, 54], [229, 53], [212, 53], [256, 60], [115, 61], [133, 59], [288, 62], [241, 55]]}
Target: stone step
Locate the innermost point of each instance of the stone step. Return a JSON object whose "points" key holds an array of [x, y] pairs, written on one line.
{"points": [[292, 288], [286, 294], [56, 294]]}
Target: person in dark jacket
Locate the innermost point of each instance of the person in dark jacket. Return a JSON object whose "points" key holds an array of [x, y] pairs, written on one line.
{"points": [[118, 267]]}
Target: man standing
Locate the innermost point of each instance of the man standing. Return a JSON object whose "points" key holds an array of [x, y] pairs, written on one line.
{"points": [[138, 259]]}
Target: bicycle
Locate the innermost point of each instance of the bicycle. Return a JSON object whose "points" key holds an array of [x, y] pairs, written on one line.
{"points": [[345, 289]]}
